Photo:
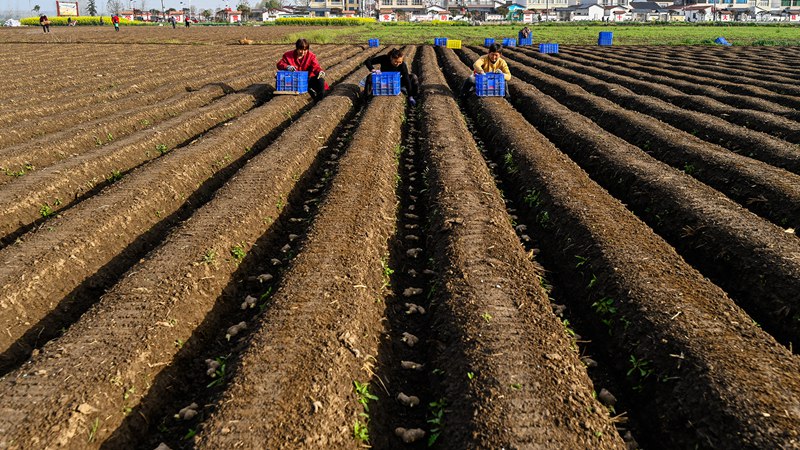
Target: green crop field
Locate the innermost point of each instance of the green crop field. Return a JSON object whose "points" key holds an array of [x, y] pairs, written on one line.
{"points": [[581, 34]]}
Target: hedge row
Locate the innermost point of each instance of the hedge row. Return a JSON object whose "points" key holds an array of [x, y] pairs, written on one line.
{"points": [[322, 21]]}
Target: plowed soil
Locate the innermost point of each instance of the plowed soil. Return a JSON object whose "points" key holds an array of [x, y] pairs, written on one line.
{"points": [[606, 259]]}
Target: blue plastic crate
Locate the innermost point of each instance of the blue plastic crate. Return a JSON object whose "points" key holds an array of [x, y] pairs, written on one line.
{"points": [[291, 82], [374, 42], [605, 38], [440, 42], [488, 41], [386, 83], [509, 42], [548, 48], [525, 41], [490, 85], [722, 41]]}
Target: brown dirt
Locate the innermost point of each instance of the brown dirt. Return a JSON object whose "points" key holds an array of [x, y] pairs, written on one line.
{"points": [[755, 144], [70, 249], [123, 332], [491, 305], [768, 191], [650, 285], [196, 35], [322, 327], [166, 298]]}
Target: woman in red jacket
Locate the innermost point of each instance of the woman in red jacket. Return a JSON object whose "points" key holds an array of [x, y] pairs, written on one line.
{"points": [[302, 59]]}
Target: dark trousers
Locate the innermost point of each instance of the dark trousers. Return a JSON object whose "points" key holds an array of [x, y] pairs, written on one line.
{"points": [[316, 88], [46, 28], [410, 86]]}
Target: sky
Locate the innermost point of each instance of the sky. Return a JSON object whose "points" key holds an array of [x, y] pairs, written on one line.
{"points": [[24, 8]]}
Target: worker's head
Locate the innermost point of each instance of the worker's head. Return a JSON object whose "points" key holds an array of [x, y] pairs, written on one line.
{"points": [[396, 57], [301, 48], [494, 52]]}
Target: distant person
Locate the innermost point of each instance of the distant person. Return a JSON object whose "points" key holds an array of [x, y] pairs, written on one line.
{"points": [[172, 21], [525, 33], [115, 21], [393, 62], [101, 21], [69, 21], [45, 23], [302, 59], [187, 21], [491, 62]]}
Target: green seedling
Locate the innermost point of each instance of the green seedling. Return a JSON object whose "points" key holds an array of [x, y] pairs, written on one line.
{"points": [[190, 434], [162, 149], [109, 137], [57, 202], [387, 273], [543, 218], [263, 299], [116, 175], [179, 343], [581, 260], [570, 332], [470, 375], [689, 169], [508, 162], [93, 430], [279, 204], [210, 256], [516, 386], [487, 317], [238, 252], [145, 122], [436, 411], [364, 396], [219, 373], [592, 282], [640, 366], [361, 431], [97, 141], [532, 198], [604, 306], [45, 211]]}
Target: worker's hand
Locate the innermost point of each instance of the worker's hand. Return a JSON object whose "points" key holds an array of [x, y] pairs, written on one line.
{"points": [[291, 68], [498, 71], [321, 75], [376, 71], [480, 72]]}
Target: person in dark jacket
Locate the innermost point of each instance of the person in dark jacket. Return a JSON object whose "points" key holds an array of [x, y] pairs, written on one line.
{"points": [[302, 59], [45, 23], [394, 62]]}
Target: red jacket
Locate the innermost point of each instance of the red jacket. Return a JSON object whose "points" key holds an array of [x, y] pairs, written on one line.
{"points": [[115, 19], [307, 64]]}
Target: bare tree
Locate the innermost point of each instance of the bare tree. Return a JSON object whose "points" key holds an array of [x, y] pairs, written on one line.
{"points": [[91, 7], [114, 6], [143, 6]]}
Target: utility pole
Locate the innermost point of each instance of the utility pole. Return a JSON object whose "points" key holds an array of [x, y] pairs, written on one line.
{"points": [[163, 14]]}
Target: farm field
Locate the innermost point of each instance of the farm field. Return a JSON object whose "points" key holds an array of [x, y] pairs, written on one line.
{"points": [[606, 259], [404, 34]]}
